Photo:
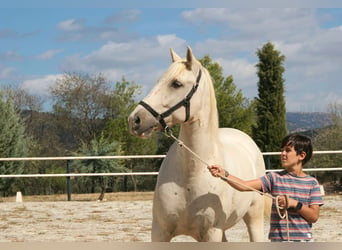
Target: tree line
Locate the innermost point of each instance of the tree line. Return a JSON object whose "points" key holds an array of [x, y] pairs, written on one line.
{"points": [[88, 117]]}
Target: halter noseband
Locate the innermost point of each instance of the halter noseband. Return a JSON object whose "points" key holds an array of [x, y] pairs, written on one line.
{"points": [[185, 102]]}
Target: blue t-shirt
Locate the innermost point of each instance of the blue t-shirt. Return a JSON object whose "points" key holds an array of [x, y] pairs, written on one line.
{"points": [[303, 189]]}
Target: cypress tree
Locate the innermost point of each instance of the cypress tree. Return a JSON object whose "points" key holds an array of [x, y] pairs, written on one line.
{"points": [[12, 143], [270, 104]]}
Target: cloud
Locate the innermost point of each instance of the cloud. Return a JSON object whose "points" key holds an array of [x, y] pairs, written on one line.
{"points": [[8, 33], [13, 34], [11, 56], [48, 54], [78, 30], [313, 54], [240, 68], [308, 102], [125, 16], [338, 28], [6, 72], [253, 20], [71, 25], [230, 37], [40, 85], [139, 60]]}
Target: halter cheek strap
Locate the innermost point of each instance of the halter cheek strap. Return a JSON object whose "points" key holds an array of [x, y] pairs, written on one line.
{"points": [[185, 102]]}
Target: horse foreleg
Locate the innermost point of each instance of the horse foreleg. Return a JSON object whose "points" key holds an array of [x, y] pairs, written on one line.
{"points": [[159, 234]]}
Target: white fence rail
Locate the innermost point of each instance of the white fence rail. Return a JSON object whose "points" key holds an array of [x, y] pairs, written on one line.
{"points": [[69, 158], [68, 173]]}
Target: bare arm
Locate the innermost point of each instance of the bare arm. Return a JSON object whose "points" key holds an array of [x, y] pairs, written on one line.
{"points": [[234, 181]]}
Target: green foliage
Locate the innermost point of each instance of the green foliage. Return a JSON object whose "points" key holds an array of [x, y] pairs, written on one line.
{"points": [[117, 129], [234, 109], [270, 104], [98, 147], [329, 138], [122, 98], [13, 142]]}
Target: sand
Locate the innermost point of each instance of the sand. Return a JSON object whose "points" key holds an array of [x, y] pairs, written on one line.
{"points": [[120, 221]]}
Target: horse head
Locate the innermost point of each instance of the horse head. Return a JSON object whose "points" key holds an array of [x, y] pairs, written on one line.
{"points": [[174, 99]]}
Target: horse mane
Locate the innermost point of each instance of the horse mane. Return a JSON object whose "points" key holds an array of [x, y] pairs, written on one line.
{"points": [[213, 105]]}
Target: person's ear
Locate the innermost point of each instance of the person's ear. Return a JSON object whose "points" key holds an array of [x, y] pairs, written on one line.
{"points": [[302, 155]]}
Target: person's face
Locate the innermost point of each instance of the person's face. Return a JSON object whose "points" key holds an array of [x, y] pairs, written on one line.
{"points": [[290, 158]]}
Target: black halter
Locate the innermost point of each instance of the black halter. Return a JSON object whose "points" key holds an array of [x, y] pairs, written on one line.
{"points": [[185, 102]]}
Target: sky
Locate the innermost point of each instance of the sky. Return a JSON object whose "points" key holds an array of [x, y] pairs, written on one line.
{"points": [[39, 44]]}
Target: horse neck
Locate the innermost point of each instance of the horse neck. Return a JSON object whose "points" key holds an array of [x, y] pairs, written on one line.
{"points": [[201, 137], [201, 133]]}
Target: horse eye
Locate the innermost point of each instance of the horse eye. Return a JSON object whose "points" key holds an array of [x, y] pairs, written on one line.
{"points": [[176, 84]]}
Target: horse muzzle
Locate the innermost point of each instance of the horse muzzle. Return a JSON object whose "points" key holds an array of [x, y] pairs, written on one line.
{"points": [[142, 124]]}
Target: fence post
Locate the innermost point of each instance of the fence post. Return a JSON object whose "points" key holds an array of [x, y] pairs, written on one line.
{"points": [[268, 162], [68, 180]]}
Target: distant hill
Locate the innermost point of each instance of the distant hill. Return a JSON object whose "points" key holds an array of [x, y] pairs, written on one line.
{"points": [[300, 122]]}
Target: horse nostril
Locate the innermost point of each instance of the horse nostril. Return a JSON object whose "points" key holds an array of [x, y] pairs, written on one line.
{"points": [[136, 122]]}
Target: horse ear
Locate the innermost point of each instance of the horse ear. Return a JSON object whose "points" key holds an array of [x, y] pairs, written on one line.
{"points": [[174, 56], [190, 58]]}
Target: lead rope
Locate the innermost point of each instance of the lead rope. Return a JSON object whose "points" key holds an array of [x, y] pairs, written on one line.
{"points": [[284, 215]]}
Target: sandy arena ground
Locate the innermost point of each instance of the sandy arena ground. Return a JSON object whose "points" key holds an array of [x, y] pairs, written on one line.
{"points": [[120, 221]]}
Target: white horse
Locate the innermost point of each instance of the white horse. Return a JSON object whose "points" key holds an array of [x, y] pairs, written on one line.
{"points": [[187, 199]]}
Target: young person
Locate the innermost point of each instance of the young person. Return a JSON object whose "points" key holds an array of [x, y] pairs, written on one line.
{"points": [[303, 199]]}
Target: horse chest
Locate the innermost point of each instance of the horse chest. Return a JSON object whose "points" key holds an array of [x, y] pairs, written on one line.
{"points": [[186, 202]]}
